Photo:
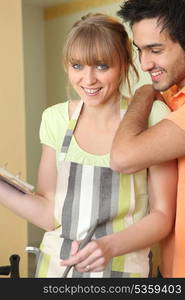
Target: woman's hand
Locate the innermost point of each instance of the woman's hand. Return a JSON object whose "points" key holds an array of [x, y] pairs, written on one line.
{"points": [[93, 257]]}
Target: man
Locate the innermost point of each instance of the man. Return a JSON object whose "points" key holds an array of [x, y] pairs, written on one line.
{"points": [[158, 33]]}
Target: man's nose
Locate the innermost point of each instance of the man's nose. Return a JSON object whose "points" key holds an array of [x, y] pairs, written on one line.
{"points": [[147, 63]]}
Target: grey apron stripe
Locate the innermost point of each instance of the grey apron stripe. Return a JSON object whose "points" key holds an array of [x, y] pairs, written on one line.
{"points": [[150, 256], [67, 208], [67, 140], [126, 275], [67, 211], [76, 202], [39, 264], [77, 274], [95, 196], [108, 270], [113, 213], [64, 149], [104, 200], [65, 249], [86, 275], [115, 274]]}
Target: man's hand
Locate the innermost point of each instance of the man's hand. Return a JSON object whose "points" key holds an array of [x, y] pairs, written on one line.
{"points": [[149, 93]]}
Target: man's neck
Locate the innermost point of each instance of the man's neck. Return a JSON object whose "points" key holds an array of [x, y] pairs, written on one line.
{"points": [[181, 84]]}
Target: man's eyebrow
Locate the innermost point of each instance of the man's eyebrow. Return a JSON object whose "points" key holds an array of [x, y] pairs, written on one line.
{"points": [[149, 45]]}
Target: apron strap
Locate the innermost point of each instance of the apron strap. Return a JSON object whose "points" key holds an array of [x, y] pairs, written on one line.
{"points": [[71, 127], [73, 122]]}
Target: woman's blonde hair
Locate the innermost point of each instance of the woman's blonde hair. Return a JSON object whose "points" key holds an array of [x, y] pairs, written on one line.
{"points": [[99, 38]]}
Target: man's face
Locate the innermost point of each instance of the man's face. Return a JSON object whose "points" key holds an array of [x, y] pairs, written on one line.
{"points": [[163, 58]]}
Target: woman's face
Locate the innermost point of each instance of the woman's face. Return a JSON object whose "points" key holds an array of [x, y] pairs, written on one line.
{"points": [[96, 84]]}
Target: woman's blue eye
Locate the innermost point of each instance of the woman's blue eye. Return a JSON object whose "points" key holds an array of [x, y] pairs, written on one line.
{"points": [[102, 67], [77, 66]]}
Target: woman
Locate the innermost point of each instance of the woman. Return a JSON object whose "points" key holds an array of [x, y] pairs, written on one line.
{"points": [[76, 187]]}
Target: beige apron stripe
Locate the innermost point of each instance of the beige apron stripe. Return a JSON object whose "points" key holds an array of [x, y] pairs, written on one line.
{"points": [[114, 195], [54, 267], [43, 265], [96, 274], [129, 217], [61, 189], [85, 201], [77, 111]]}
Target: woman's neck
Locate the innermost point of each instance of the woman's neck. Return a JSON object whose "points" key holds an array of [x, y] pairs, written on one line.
{"points": [[104, 111]]}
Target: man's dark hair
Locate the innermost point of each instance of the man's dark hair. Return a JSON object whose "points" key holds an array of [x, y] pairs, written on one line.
{"points": [[170, 14]]}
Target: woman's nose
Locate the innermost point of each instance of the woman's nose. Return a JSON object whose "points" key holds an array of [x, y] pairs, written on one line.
{"points": [[89, 75]]}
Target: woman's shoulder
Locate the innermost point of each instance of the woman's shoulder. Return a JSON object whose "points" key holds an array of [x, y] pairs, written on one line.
{"points": [[56, 110], [64, 109], [124, 102], [160, 107], [53, 125], [158, 112]]}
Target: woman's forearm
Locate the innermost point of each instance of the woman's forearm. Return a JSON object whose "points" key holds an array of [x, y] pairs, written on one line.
{"points": [[32, 207]]}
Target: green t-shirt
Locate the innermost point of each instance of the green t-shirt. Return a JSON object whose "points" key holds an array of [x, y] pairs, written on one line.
{"points": [[55, 122]]}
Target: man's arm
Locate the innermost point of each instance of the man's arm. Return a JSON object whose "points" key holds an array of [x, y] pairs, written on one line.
{"points": [[135, 146]]}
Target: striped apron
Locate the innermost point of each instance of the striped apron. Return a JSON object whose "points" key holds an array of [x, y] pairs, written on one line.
{"points": [[85, 194]]}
